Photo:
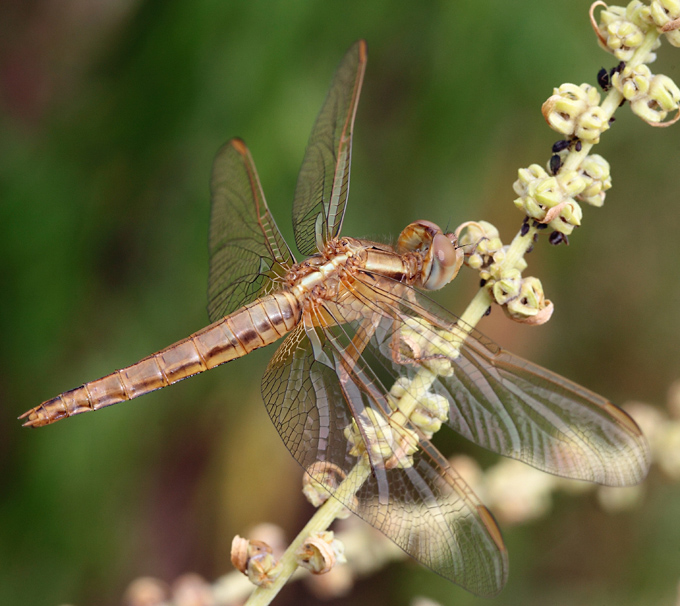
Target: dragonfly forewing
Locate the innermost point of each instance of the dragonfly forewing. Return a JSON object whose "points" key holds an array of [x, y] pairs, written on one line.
{"points": [[323, 184], [248, 255]]}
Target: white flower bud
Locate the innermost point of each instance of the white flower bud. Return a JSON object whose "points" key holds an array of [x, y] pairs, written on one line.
{"points": [[663, 13], [595, 171], [623, 29]]}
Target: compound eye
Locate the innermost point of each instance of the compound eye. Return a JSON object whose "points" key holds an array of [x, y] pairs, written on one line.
{"points": [[417, 236], [444, 251], [442, 263]]}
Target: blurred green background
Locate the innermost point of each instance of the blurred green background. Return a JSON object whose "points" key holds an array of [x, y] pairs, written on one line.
{"points": [[111, 115]]}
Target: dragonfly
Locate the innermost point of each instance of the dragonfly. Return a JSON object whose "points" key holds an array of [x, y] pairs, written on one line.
{"points": [[370, 367]]}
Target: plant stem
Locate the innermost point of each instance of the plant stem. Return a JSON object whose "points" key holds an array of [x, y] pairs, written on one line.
{"points": [[319, 522]]}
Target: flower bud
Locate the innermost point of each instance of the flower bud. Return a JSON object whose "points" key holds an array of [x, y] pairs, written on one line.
{"points": [[663, 14], [320, 552], [595, 172]]}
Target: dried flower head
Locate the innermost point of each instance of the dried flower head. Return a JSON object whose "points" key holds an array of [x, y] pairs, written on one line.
{"points": [[320, 552], [255, 560], [320, 481]]}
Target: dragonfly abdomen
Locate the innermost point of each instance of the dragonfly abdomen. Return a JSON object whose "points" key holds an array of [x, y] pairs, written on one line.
{"points": [[253, 326]]}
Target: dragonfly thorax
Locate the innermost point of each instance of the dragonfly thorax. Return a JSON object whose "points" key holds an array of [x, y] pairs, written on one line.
{"points": [[322, 275]]}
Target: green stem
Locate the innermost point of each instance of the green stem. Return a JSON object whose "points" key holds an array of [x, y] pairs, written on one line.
{"points": [[476, 309], [319, 522], [646, 47], [483, 299]]}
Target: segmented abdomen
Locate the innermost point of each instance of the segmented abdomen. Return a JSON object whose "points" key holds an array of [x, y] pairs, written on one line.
{"points": [[255, 325]]}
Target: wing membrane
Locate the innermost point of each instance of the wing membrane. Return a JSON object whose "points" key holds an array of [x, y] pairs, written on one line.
{"points": [[503, 402], [313, 390], [248, 255], [323, 183]]}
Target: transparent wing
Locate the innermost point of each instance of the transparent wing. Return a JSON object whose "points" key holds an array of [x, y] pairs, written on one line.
{"points": [[501, 401], [248, 255], [313, 389], [323, 182]]}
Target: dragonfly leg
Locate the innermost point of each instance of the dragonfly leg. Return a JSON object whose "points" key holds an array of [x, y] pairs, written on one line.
{"points": [[359, 342]]}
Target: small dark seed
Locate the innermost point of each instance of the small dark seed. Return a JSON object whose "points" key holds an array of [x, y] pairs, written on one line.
{"points": [[530, 249], [538, 225], [558, 146], [536, 236], [557, 237], [524, 230], [617, 68], [488, 311], [555, 163], [603, 79], [482, 282]]}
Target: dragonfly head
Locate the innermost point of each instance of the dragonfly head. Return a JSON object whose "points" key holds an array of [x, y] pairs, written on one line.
{"points": [[442, 258]]}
